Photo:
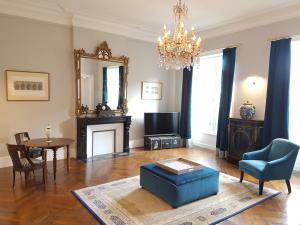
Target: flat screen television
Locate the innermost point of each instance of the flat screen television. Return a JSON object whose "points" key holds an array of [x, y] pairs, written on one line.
{"points": [[161, 123]]}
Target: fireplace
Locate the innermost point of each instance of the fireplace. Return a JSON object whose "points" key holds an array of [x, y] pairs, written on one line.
{"points": [[101, 136], [104, 139]]}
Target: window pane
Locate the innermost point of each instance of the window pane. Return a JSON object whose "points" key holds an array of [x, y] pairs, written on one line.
{"points": [[113, 87], [206, 95]]}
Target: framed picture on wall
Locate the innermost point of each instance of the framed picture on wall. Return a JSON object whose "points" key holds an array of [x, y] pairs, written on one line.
{"points": [[151, 90], [27, 86]]}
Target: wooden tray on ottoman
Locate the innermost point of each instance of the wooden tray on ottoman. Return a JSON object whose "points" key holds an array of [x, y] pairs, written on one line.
{"points": [[178, 165]]}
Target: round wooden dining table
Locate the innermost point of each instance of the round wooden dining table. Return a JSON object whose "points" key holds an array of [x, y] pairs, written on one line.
{"points": [[54, 144]]}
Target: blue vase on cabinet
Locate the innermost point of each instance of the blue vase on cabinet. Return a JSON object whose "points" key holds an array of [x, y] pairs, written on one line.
{"points": [[247, 111]]}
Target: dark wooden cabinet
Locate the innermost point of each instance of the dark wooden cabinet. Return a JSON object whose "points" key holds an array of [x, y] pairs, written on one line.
{"points": [[244, 136]]}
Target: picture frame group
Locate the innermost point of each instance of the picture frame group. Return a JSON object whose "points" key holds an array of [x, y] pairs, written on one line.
{"points": [[27, 86]]}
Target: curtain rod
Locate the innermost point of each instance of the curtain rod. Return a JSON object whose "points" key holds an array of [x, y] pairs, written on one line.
{"points": [[221, 49], [284, 37]]}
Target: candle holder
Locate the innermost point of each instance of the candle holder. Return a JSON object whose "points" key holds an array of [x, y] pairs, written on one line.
{"points": [[48, 133]]}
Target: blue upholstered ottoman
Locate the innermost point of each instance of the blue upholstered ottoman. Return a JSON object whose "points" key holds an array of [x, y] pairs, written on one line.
{"points": [[179, 189]]}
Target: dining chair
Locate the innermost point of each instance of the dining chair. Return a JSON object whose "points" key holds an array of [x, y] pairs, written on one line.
{"points": [[23, 163], [34, 152]]}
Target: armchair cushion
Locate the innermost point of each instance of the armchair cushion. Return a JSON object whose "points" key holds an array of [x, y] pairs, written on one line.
{"points": [[34, 162], [257, 155], [35, 152], [253, 167], [25, 163]]}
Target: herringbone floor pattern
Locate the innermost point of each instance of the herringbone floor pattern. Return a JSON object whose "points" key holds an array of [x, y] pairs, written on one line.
{"points": [[54, 203]]}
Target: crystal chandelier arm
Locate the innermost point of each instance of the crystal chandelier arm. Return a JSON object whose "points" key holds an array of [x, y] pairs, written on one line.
{"points": [[177, 50]]}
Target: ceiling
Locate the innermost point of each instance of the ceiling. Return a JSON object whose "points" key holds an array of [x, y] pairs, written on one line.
{"points": [[143, 19]]}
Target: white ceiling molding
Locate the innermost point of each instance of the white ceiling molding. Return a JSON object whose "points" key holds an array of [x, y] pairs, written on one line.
{"points": [[52, 11], [229, 27], [127, 31], [48, 14]]}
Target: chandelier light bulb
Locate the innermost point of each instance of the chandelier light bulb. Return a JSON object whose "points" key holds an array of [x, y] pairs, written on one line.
{"points": [[165, 27], [193, 28]]}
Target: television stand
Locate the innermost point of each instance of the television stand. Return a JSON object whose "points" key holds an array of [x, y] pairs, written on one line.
{"points": [[162, 141]]}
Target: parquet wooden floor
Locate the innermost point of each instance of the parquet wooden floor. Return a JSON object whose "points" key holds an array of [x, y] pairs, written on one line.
{"points": [[54, 203]]}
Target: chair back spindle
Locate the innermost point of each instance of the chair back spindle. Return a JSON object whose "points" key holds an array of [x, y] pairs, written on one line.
{"points": [[20, 137]]}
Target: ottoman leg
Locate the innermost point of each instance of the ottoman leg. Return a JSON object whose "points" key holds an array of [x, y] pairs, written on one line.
{"points": [[261, 187], [242, 176]]}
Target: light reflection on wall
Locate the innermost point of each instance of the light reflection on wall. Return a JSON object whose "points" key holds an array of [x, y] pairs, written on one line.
{"points": [[254, 85]]}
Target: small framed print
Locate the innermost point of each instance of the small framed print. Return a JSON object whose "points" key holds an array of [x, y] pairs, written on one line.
{"points": [[151, 90], [27, 86]]}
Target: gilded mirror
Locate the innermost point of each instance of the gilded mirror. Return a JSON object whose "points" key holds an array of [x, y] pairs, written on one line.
{"points": [[101, 79]]}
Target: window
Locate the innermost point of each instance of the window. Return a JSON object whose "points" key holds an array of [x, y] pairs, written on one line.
{"points": [[294, 110], [113, 87], [206, 92]]}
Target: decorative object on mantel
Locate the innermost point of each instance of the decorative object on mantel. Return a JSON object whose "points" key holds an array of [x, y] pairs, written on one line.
{"points": [[27, 86], [247, 111], [48, 133], [102, 56], [151, 90], [103, 110], [85, 109], [179, 50]]}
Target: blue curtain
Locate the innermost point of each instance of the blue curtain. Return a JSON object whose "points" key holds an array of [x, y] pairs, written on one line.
{"points": [[121, 87], [225, 98], [186, 100], [104, 87], [277, 103]]}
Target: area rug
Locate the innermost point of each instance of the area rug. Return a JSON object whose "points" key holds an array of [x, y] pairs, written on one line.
{"points": [[124, 202]]}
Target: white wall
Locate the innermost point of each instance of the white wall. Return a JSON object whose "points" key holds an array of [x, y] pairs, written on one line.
{"points": [[36, 46], [39, 46]]}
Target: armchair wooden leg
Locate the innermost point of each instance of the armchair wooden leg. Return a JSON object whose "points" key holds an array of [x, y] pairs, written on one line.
{"points": [[14, 178], [288, 184], [242, 176], [261, 187]]}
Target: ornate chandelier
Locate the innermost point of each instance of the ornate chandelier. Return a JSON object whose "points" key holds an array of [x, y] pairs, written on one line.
{"points": [[179, 50]]}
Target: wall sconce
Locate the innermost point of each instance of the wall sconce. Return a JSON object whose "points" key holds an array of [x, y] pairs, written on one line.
{"points": [[254, 83]]}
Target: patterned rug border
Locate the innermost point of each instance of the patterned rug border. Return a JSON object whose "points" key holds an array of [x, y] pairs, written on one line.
{"points": [[213, 223], [244, 209], [88, 208]]}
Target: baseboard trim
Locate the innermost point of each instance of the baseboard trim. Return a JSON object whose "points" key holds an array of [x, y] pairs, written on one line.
{"points": [[136, 143], [5, 161], [202, 145], [297, 167]]}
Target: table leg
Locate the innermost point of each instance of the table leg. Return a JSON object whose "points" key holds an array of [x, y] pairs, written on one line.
{"points": [[68, 159], [54, 163]]}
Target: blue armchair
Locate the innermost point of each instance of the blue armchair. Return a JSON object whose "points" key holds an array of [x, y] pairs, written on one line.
{"points": [[274, 162]]}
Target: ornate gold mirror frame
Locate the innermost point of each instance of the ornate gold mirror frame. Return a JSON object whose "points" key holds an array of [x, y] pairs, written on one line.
{"points": [[103, 52]]}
